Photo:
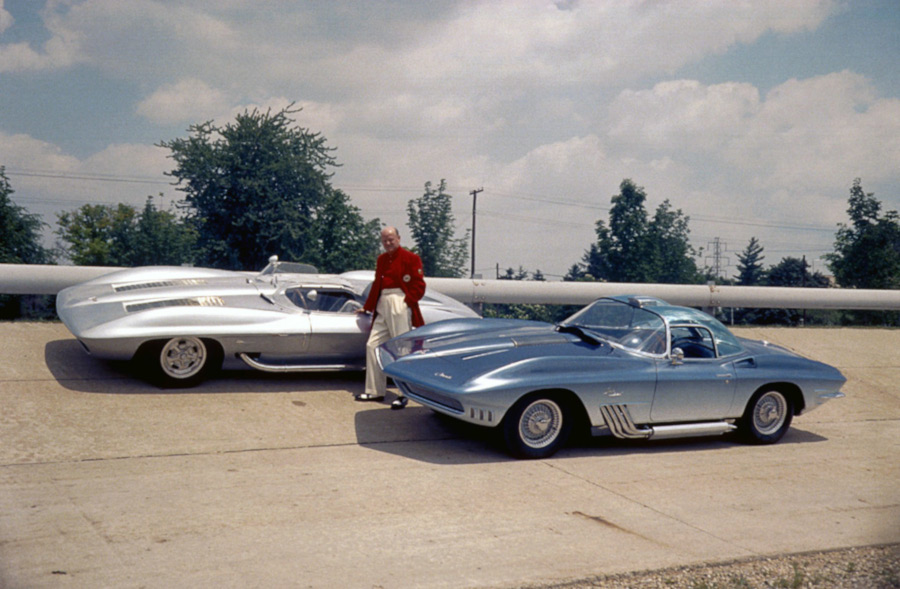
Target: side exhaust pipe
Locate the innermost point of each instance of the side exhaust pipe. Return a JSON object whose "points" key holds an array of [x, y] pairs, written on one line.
{"points": [[618, 419]]}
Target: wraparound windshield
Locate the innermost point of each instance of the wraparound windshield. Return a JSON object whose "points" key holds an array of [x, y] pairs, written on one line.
{"points": [[631, 327]]}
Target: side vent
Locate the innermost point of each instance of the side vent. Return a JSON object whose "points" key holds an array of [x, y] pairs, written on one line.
{"points": [[158, 284], [192, 302]]}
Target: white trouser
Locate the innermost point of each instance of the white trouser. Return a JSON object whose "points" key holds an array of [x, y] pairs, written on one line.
{"points": [[392, 318]]}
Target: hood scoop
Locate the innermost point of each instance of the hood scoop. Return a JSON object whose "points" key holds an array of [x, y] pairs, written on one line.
{"points": [[538, 339], [159, 284]]}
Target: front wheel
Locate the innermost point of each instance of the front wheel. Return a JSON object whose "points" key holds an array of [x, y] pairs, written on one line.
{"points": [[536, 427], [767, 417], [180, 362]]}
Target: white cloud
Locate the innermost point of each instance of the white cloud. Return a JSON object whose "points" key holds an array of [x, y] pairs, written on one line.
{"points": [[187, 100], [48, 180], [807, 134], [22, 151], [6, 19], [59, 51]]}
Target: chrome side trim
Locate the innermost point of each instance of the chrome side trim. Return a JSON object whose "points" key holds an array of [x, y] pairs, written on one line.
{"points": [[829, 396], [685, 430], [280, 368]]}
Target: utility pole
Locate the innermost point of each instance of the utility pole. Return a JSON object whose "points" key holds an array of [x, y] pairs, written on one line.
{"points": [[474, 194]]}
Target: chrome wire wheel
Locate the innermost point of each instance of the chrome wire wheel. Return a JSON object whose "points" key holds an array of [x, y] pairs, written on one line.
{"points": [[768, 417], [183, 357], [540, 423], [769, 413]]}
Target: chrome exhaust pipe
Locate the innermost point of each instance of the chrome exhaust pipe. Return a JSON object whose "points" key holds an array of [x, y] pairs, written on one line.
{"points": [[686, 430], [280, 368], [618, 420]]}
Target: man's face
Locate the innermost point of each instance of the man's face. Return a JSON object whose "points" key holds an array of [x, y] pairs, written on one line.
{"points": [[390, 241]]}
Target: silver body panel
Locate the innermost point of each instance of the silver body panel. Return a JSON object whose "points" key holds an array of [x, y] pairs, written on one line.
{"points": [[276, 318]]}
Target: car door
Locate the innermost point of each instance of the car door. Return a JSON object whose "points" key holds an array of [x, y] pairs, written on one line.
{"points": [[699, 387], [337, 331]]}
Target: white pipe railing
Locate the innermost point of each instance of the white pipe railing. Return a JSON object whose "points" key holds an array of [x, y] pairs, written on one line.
{"points": [[45, 279]]}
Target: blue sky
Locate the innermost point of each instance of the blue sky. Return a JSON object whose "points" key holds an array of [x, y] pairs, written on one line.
{"points": [[752, 118]]}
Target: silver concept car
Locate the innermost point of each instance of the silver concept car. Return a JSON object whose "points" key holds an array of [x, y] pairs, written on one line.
{"points": [[631, 367], [181, 324]]}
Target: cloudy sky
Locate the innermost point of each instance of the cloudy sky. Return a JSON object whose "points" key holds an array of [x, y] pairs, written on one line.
{"points": [[753, 118]]}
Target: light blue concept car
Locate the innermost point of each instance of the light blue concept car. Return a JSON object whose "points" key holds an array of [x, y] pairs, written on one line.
{"points": [[631, 367]]}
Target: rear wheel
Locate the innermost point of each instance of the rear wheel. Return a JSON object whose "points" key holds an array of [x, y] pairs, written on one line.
{"points": [[767, 417], [180, 362], [537, 426]]}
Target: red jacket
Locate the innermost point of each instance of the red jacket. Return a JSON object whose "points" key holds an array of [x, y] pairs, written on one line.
{"points": [[412, 281]]}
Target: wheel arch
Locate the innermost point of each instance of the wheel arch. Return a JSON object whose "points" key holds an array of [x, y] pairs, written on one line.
{"points": [[146, 361], [568, 398], [791, 391], [213, 347]]}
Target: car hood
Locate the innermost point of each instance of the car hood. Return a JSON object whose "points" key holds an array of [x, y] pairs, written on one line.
{"points": [[467, 354]]}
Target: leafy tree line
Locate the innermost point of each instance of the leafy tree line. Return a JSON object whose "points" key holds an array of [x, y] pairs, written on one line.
{"points": [[20, 241], [261, 185]]}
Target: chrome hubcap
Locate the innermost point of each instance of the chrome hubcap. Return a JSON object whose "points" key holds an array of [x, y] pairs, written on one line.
{"points": [[540, 424], [183, 357], [770, 413]]}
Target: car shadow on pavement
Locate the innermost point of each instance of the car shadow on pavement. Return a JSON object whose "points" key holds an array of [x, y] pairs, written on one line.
{"points": [[611, 446], [420, 434], [75, 370]]}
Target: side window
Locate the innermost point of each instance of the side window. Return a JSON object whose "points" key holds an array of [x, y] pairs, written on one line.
{"points": [[694, 341], [295, 295], [323, 300], [336, 301]]}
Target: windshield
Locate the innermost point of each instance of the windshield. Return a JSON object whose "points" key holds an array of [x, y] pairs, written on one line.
{"points": [[277, 267], [622, 324]]}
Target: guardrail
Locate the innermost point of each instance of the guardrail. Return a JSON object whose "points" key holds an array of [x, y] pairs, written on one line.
{"points": [[45, 279]]}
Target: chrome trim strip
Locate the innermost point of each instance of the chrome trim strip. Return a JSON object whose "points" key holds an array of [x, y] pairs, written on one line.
{"points": [[833, 395], [280, 368]]}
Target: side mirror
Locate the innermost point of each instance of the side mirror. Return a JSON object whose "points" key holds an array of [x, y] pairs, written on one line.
{"points": [[312, 295], [677, 356]]}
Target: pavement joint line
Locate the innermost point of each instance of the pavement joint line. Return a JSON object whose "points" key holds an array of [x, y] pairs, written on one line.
{"points": [[651, 508], [220, 452]]}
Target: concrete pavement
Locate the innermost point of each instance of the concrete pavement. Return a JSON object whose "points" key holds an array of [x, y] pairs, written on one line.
{"points": [[260, 481]]}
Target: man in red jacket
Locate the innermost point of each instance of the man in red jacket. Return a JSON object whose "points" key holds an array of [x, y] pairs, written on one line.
{"points": [[394, 302]]}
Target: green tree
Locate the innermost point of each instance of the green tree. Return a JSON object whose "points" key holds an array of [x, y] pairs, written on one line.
{"points": [[106, 235], [575, 274], [792, 272], [355, 246], [867, 251], [20, 243], [20, 231], [162, 239], [750, 273], [635, 248], [750, 268], [98, 235], [670, 248], [433, 227], [533, 312], [260, 186]]}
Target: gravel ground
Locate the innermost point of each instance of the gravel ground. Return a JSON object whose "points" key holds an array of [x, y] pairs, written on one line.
{"points": [[872, 567]]}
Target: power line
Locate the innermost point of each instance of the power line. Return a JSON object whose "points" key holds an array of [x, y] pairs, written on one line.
{"points": [[87, 177], [97, 177]]}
